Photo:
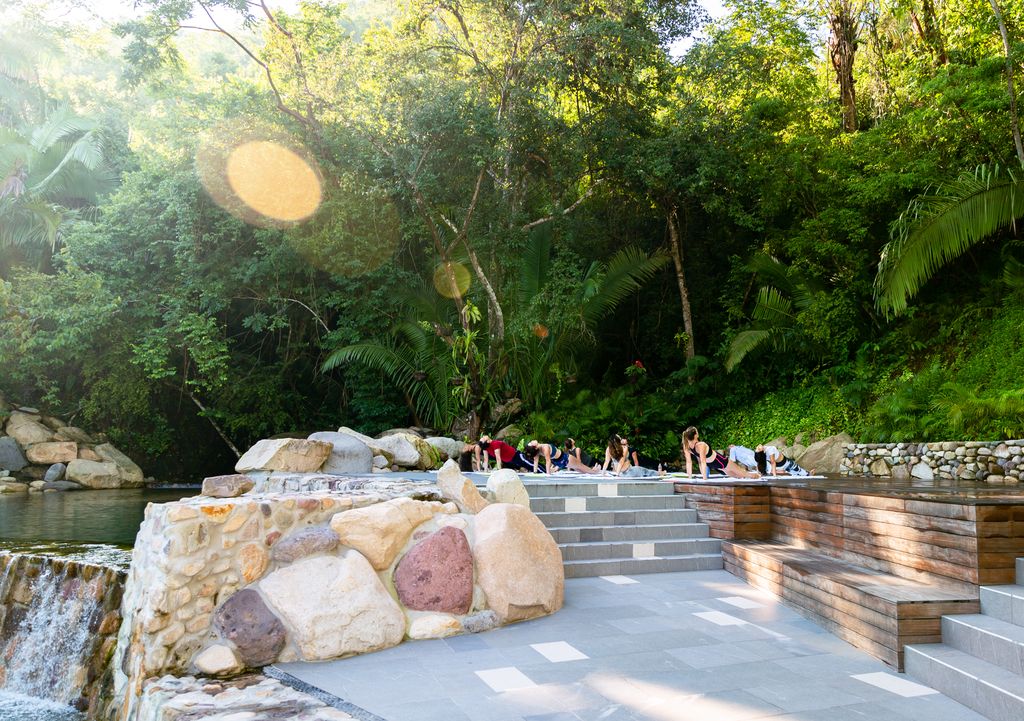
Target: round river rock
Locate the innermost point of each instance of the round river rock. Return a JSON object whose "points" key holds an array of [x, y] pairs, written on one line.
{"points": [[437, 573], [257, 633]]}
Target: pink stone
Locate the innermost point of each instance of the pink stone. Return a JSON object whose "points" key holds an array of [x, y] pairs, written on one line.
{"points": [[437, 573]]}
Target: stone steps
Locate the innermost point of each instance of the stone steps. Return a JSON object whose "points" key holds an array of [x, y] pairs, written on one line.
{"points": [[604, 503], [980, 662], [638, 549], [612, 529], [622, 567], [585, 534]]}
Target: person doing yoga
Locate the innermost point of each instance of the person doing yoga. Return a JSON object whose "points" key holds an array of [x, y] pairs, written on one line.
{"points": [[504, 455], [555, 459], [770, 456], [579, 459], [626, 461], [709, 460]]}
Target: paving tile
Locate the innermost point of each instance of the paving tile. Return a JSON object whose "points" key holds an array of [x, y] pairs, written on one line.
{"points": [[558, 651], [508, 678], [897, 685], [740, 602], [803, 695]]}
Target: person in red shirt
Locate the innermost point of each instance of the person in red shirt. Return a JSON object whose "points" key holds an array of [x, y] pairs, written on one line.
{"points": [[504, 455]]}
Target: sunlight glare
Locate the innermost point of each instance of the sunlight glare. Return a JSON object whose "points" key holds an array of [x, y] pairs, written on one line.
{"points": [[274, 180], [443, 279]]}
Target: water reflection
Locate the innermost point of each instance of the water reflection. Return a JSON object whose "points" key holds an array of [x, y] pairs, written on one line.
{"points": [[80, 516]]}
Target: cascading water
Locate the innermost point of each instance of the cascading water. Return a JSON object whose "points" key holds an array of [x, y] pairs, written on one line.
{"points": [[58, 625]]}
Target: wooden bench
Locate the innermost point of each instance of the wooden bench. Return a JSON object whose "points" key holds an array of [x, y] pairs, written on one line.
{"points": [[875, 611]]}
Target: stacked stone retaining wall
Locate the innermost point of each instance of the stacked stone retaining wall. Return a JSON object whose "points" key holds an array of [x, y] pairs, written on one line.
{"points": [[219, 586], [995, 462]]}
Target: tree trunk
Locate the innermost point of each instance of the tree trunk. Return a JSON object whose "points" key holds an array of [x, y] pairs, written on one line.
{"points": [[1014, 120], [842, 47], [684, 294]]}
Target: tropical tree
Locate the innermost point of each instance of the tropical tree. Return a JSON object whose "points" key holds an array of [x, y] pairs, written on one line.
{"points": [[938, 228]]}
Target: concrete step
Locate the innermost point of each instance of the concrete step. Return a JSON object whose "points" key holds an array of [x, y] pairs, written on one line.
{"points": [[992, 691], [638, 549], [987, 638], [561, 489], [631, 566], [618, 518], [600, 503], [1003, 602], [578, 534], [1020, 571]]}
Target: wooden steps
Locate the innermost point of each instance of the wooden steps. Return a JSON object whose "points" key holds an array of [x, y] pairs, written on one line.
{"points": [[875, 611]]}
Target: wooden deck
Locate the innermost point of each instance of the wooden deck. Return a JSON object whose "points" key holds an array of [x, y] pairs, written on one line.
{"points": [[877, 570]]}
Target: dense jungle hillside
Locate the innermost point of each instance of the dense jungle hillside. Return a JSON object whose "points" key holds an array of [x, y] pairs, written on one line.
{"points": [[222, 220]]}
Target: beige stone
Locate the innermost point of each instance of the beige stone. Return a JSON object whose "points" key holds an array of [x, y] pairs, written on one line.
{"points": [[334, 606], [131, 475], [285, 454], [94, 474], [460, 489], [71, 433], [217, 660], [252, 561], [28, 433], [519, 566], [508, 488], [88, 454], [52, 452], [436, 625], [380, 531], [826, 455]]}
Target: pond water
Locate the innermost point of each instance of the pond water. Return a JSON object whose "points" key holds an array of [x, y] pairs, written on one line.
{"points": [[81, 516], [91, 526]]}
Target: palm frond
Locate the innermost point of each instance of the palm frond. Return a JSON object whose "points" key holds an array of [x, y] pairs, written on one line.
{"points": [[773, 308], [534, 269], [626, 273], [936, 229], [745, 342], [60, 125]]}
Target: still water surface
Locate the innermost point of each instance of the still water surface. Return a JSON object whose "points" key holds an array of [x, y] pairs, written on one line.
{"points": [[81, 516]]}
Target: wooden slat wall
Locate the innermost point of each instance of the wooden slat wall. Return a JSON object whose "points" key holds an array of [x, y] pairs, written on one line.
{"points": [[731, 511], [1000, 542]]}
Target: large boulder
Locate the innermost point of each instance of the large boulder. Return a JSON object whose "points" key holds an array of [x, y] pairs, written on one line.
{"points": [[437, 573], [230, 486], [284, 454], [519, 566], [28, 432], [71, 433], [404, 449], [460, 489], [55, 473], [131, 475], [335, 606], [11, 457], [52, 452], [447, 447], [826, 455], [246, 621], [94, 474], [348, 454], [505, 486], [399, 431], [380, 531]]}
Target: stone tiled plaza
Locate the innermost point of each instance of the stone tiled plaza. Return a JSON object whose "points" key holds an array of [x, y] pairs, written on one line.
{"points": [[699, 645]]}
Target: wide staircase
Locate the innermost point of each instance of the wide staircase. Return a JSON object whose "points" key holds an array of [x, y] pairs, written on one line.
{"points": [[628, 527], [980, 662]]}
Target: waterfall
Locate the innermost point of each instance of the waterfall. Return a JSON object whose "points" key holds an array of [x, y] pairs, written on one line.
{"points": [[58, 625]]}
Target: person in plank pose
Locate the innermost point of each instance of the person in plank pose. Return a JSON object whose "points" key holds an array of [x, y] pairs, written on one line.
{"points": [[579, 459], [504, 455], [770, 459], [626, 461], [709, 460], [555, 459]]}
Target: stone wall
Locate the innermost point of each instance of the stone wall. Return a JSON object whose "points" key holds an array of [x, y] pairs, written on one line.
{"points": [[221, 585], [58, 628], [996, 462]]}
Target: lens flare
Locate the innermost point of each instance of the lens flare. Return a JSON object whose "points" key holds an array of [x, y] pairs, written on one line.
{"points": [[274, 181], [259, 174], [451, 279], [541, 331]]}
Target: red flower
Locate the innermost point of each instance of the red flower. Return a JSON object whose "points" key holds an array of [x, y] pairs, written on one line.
{"points": [[638, 364]]}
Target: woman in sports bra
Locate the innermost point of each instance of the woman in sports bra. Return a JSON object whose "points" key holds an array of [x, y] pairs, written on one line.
{"points": [[554, 458], [709, 460]]}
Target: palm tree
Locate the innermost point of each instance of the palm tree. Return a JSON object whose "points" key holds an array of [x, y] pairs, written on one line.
{"points": [[48, 174], [422, 356], [938, 228], [774, 317]]}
